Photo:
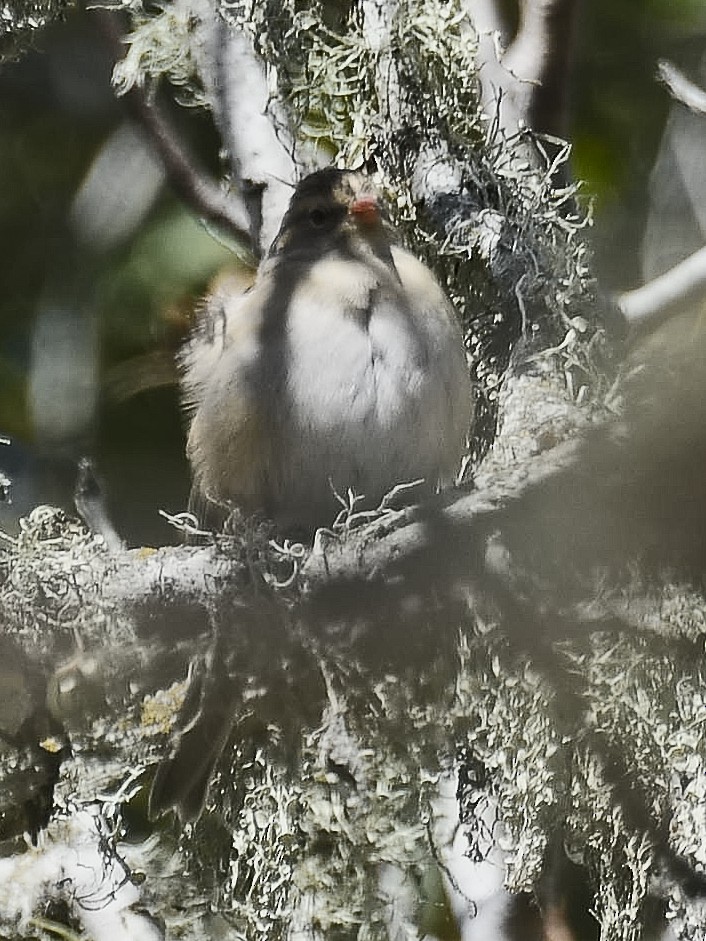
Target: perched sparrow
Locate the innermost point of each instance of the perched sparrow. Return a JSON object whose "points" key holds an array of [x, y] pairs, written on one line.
{"points": [[342, 367]]}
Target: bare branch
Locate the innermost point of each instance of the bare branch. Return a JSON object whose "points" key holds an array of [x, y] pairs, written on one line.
{"points": [[647, 305], [681, 88], [189, 181]]}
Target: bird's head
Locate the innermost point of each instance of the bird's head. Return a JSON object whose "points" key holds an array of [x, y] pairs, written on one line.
{"points": [[331, 209]]}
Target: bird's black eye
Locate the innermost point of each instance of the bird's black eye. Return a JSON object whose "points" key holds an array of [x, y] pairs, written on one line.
{"points": [[318, 217]]}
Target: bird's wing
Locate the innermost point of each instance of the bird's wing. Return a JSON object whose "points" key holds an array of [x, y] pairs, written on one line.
{"points": [[230, 436]]}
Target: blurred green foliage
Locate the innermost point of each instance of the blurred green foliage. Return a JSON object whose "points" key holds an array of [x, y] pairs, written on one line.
{"points": [[159, 275]]}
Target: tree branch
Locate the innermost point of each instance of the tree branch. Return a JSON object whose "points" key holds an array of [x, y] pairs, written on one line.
{"points": [[540, 59], [379, 574], [681, 88], [647, 306], [255, 137], [189, 181], [496, 83], [439, 547], [525, 84]]}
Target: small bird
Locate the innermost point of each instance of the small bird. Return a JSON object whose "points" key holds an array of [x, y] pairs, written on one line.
{"points": [[342, 368]]}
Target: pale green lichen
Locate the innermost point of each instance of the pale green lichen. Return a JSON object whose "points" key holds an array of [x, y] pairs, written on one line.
{"points": [[161, 44]]}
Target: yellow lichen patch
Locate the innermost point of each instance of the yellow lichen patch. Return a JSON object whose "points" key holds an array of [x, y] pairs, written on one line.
{"points": [[160, 709], [145, 552], [51, 745]]}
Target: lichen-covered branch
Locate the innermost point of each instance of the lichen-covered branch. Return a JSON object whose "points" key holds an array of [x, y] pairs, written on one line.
{"points": [[501, 621]]}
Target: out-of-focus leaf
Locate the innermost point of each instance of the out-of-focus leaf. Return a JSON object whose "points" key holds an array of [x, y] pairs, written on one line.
{"points": [[171, 262]]}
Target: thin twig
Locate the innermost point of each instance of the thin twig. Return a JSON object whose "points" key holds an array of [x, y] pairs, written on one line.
{"points": [[90, 502], [188, 180]]}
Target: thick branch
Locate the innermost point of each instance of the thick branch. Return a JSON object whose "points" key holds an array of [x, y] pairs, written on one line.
{"points": [[547, 520], [255, 136], [371, 576], [497, 85], [540, 59], [439, 546]]}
